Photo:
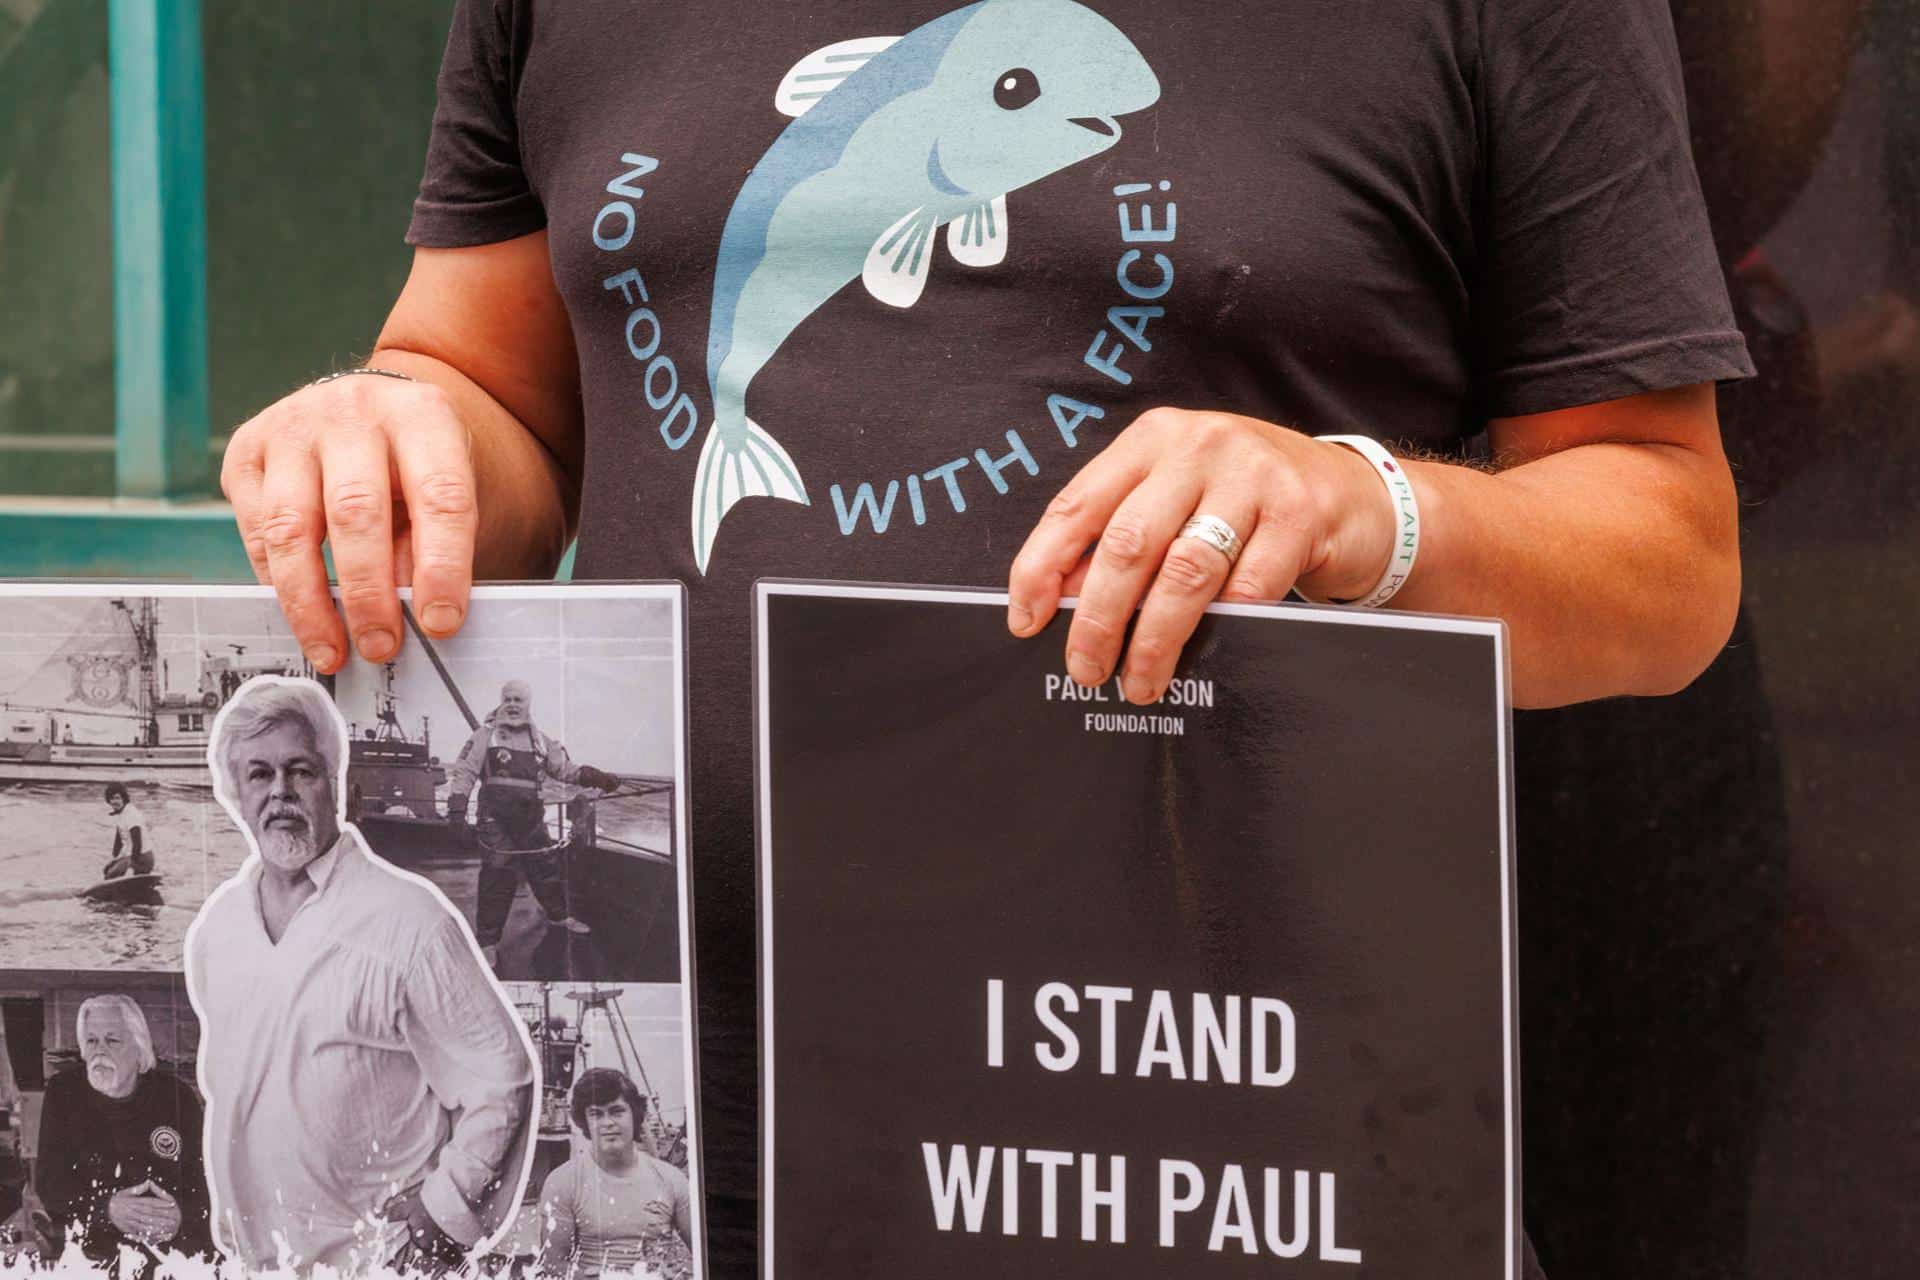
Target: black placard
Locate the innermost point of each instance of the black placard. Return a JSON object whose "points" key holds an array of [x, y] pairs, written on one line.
{"points": [[1308, 838]]}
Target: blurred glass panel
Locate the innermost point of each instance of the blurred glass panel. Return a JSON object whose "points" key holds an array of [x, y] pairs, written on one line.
{"points": [[317, 123], [1834, 564], [1720, 891], [56, 250]]}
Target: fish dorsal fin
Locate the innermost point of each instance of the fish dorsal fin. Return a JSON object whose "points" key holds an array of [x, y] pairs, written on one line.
{"points": [[820, 72], [896, 267], [978, 237]]}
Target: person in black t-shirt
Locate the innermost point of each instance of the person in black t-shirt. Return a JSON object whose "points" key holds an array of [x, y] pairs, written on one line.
{"points": [[119, 1160], [1469, 230]]}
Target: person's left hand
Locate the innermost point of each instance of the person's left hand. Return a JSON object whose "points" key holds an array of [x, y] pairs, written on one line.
{"points": [[1307, 513], [596, 779], [145, 1212]]}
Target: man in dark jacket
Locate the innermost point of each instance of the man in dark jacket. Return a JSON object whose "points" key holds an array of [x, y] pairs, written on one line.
{"points": [[119, 1146]]}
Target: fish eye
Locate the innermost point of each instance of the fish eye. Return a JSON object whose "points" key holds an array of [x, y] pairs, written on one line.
{"points": [[1015, 89]]}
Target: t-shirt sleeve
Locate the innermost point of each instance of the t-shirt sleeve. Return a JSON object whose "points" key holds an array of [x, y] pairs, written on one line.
{"points": [[475, 189], [1597, 275]]}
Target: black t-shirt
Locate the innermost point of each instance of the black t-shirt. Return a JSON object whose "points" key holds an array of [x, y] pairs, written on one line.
{"points": [[91, 1146], [920, 283]]}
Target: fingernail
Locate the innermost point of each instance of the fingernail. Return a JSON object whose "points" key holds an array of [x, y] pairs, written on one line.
{"points": [[1139, 690], [323, 657], [1083, 669], [1019, 617], [440, 617], [376, 644]]}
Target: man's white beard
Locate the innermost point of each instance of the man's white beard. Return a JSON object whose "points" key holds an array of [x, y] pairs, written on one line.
{"points": [[288, 849], [104, 1076]]}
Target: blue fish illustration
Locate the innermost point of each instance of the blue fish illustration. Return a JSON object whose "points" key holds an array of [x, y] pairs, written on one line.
{"points": [[893, 139]]}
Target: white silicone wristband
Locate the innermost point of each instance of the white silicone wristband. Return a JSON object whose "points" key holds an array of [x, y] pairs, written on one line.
{"points": [[1406, 537]]}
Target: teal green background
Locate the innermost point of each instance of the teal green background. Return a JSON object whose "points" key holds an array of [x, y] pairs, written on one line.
{"points": [[316, 119]]}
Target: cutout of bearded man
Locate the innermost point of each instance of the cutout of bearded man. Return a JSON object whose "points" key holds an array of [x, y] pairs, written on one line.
{"points": [[369, 1088]]}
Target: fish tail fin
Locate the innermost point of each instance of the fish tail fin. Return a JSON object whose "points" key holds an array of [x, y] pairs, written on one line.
{"points": [[752, 466]]}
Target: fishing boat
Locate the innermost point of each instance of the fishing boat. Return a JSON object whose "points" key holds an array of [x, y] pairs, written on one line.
{"points": [[389, 770], [100, 707], [625, 891]]}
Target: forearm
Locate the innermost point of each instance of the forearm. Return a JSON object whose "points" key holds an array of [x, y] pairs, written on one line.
{"points": [[475, 1061], [1614, 565], [472, 1166], [1608, 545], [528, 504]]}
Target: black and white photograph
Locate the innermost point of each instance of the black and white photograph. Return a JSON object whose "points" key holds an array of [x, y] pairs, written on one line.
{"points": [[283, 910], [528, 769], [614, 1155], [369, 1091], [109, 835], [100, 1118]]}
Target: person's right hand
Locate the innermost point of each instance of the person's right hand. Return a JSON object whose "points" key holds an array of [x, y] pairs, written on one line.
{"points": [[382, 470]]}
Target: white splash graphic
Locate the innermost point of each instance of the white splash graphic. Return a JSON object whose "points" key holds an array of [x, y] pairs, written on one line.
{"points": [[73, 1264]]}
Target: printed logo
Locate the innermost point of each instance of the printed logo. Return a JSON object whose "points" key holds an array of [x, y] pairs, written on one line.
{"points": [[165, 1142], [892, 139], [502, 756], [101, 680]]}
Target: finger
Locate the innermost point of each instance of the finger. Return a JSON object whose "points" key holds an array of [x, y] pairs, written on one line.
{"points": [[291, 526], [241, 473], [1075, 580], [143, 1218], [1189, 578], [1124, 562], [1275, 557], [355, 467], [1069, 525], [435, 462]]}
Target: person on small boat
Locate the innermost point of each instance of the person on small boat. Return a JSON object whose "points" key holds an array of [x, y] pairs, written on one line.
{"points": [[507, 757], [617, 1208], [131, 854]]}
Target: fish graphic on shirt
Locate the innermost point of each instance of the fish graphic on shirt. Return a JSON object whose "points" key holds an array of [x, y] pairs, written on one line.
{"points": [[892, 139]]}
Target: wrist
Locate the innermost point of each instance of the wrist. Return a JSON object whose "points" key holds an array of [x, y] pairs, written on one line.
{"points": [[362, 371], [1360, 538]]}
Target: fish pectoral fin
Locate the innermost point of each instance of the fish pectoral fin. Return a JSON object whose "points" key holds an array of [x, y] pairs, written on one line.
{"points": [[978, 237], [896, 267], [820, 72]]}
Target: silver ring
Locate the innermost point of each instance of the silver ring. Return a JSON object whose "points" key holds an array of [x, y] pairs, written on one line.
{"points": [[1216, 533]]}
